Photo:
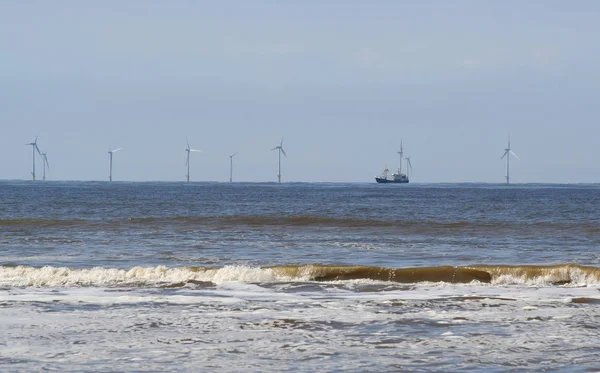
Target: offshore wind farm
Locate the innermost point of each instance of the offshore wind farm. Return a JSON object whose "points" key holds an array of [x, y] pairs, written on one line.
{"points": [[401, 176], [341, 108]]}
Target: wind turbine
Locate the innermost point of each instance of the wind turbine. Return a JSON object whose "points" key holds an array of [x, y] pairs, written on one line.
{"points": [[280, 150], [34, 147], [507, 153], [187, 160], [408, 166], [231, 167], [45, 163], [401, 153], [110, 153]]}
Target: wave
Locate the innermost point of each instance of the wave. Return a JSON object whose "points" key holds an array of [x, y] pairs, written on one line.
{"points": [[559, 274], [566, 274], [248, 220], [298, 221], [44, 223]]}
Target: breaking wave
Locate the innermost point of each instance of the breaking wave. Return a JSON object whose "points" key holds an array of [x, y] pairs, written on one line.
{"points": [[567, 274]]}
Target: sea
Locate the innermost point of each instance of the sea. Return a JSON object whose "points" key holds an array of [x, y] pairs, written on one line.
{"points": [[298, 277]]}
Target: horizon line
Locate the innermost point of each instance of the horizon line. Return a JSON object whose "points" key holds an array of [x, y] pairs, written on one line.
{"points": [[293, 182]]}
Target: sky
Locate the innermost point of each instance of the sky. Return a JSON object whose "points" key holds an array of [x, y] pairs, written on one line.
{"points": [[343, 82]]}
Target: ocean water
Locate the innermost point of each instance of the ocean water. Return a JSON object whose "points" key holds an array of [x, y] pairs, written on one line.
{"points": [[299, 277]]}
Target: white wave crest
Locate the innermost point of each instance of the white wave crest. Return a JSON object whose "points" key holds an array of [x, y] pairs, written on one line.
{"points": [[567, 276], [98, 276]]}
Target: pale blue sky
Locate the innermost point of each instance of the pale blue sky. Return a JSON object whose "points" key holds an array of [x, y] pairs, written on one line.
{"points": [[341, 81]]}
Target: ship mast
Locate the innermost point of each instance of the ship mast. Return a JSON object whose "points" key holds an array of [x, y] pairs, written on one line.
{"points": [[401, 154]]}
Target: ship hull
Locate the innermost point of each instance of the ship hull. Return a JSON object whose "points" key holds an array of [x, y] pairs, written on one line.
{"points": [[382, 180]]}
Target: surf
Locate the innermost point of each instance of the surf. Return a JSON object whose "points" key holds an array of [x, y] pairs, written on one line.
{"points": [[529, 275]]}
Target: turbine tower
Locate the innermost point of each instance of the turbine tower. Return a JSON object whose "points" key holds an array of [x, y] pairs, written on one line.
{"points": [[187, 160], [231, 167], [34, 148], [507, 153], [401, 154], [408, 166], [110, 153], [280, 150], [45, 163]]}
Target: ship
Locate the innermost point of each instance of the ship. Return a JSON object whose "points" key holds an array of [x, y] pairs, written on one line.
{"points": [[398, 176]]}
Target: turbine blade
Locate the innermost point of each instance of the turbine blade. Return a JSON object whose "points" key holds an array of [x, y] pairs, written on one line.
{"points": [[46, 160], [275, 148], [187, 142], [116, 150], [197, 151], [283, 151], [504, 155], [38, 150], [511, 152]]}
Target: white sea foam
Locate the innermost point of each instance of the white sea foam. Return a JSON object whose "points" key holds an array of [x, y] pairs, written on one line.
{"points": [[239, 326], [571, 276], [98, 276], [565, 275]]}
